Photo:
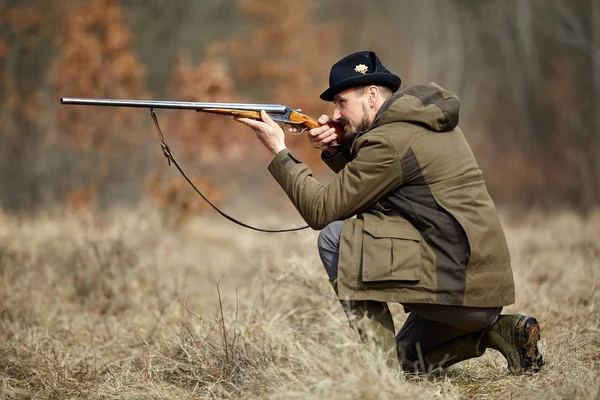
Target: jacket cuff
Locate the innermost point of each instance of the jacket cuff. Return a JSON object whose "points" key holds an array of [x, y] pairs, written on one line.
{"points": [[338, 160], [284, 157], [327, 156], [282, 163]]}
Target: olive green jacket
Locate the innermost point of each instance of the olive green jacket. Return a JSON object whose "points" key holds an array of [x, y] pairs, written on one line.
{"points": [[426, 230]]}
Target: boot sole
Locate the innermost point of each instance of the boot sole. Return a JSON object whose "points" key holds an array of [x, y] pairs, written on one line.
{"points": [[527, 335]]}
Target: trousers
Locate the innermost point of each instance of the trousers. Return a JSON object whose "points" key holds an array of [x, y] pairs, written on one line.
{"points": [[428, 325]]}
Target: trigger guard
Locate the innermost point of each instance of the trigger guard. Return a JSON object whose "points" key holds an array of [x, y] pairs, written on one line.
{"points": [[287, 126]]}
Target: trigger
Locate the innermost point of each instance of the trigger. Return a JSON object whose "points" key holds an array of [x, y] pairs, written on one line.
{"points": [[291, 129]]}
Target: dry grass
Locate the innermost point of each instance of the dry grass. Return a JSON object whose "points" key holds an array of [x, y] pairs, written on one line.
{"points": [[93, 307]]}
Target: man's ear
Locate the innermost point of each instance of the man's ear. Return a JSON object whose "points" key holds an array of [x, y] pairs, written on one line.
{"points": [[373, 94]]}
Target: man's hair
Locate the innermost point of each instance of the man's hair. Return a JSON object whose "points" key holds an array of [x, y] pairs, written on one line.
{"points": [[385, 91]]}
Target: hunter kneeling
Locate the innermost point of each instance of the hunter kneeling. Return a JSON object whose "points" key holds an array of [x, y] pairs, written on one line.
{"points": [[427, 234]]}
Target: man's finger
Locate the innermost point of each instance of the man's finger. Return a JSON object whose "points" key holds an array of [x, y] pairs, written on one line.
{"points": [[316, 132], [252, 123], [326, 134], [329, 139], [323, 119], [268, 120]]}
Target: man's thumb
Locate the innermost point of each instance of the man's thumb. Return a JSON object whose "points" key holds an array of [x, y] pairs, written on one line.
{"points": [[266, 118]]}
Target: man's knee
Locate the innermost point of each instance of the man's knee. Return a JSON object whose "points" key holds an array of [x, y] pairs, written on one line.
{"points": [[329, 237], [329, 245]]}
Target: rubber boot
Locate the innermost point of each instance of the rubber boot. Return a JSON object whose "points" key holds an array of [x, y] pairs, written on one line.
{"points": [[373, 322], [451, 352], [516, 337]]}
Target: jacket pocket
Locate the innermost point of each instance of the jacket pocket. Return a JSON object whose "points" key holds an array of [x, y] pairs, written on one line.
{"points": [[391, 250]]}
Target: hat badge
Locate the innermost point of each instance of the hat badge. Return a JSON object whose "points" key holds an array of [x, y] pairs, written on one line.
{"points": [[361, 69]]}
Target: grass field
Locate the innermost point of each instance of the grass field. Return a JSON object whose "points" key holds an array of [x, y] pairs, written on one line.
{"points": [[116, 307]]}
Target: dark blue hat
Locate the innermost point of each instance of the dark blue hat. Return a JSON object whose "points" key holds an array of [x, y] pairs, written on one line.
{"points": [[359, 69]]}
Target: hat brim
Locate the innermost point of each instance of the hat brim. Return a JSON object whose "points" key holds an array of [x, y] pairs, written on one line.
{"points": [[381, 79]]}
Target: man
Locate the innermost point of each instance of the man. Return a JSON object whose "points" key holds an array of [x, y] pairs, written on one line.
{"points": [[426, 232]]}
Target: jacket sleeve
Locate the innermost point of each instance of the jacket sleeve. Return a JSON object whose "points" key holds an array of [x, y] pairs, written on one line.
{"points": [[338, 160], [374, 172]]}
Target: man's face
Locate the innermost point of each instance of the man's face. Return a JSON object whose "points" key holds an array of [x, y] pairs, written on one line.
{"points": [[351, 110]]}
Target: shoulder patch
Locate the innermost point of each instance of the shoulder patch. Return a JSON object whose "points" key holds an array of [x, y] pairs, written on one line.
{"points": [[291, 157]]}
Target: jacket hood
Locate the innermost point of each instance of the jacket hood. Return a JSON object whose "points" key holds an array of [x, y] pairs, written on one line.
{"points": [[428, 105]]}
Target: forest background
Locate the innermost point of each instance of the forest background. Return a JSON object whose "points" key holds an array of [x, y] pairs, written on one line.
{"points": [[527, 73], [116, 280]]}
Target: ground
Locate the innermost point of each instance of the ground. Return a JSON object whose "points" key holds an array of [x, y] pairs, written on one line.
{"points": [[117, 306]]}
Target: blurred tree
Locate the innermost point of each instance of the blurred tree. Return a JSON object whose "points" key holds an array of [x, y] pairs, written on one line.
{"points": [[95, 59], [527, 73], [285, 58], [163, 28], [209, 145], [26, 28], [545, 101], [266, 64]]}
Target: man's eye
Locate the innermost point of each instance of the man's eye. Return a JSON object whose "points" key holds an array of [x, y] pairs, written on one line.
{"points": [[339, 102]]}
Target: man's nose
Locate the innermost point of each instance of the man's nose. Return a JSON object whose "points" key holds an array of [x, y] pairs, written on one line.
{"points": [[336, 114]]}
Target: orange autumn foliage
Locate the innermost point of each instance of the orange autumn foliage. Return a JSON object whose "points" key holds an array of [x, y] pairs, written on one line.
{"points": [[96, 60], [286, 58], [269, 57], [201, 142]]}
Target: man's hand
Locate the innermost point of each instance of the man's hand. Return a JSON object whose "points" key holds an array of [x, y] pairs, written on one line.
{"points": [[267, 131], [323, 135]]}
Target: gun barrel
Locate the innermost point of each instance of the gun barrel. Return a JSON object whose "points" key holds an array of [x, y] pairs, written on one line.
{"points": [[180, 105]]}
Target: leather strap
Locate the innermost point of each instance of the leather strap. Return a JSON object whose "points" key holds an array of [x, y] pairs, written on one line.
{"points": [[171, 159]]}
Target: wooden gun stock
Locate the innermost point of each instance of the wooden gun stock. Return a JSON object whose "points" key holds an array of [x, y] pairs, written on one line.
{"points": [[295, 119], [310, 123]]}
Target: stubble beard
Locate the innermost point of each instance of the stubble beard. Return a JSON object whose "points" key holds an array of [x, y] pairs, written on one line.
{"points": [[363, 125]]}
